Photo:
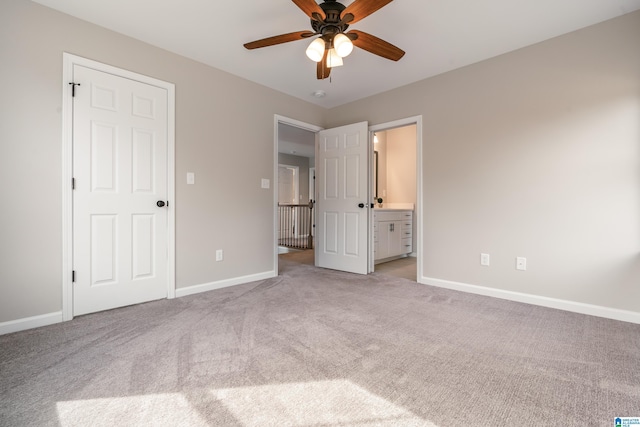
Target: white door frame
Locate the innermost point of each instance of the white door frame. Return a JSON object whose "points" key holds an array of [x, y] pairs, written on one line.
{"points": [[277, 119], [419, 211], [69, 61]]}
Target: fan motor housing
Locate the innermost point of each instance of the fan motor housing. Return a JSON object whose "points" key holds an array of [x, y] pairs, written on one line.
{"points": [[331, 25]]}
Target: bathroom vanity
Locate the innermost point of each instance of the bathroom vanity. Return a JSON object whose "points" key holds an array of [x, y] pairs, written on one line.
{"points": [[392, 234]]}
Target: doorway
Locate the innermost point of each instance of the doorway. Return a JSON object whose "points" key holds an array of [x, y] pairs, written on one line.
{"points": [[294, 155], [395, 199], [418, 209], [399, 185]]}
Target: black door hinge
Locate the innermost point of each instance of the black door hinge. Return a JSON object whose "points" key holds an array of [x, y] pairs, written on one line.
{"points": [[73, 276], [73, 88], [73, 183]]}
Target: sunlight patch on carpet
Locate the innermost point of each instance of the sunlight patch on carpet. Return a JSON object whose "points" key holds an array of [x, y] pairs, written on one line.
{"points": [[169, 409], [328, 403], [325, 403]]}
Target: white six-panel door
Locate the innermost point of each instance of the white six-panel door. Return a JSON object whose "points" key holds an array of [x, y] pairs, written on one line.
{"points": [[342, 208], [120, 172]]}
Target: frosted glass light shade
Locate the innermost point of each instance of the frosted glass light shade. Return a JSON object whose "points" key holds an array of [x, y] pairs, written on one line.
{"points": [[333, 59], [315, 51], [342, 44]]}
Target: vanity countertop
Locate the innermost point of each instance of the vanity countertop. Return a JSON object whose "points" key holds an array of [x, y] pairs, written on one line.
{"points": [[394, 207]]}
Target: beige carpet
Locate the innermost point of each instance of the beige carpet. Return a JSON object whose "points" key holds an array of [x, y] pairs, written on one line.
{"points": [[317, 347]]}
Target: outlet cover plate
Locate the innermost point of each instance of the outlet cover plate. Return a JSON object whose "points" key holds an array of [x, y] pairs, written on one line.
{"points": [[485, 260]]}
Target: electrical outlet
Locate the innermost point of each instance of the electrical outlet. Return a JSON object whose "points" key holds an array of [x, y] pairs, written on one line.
{"points": [[485, 259], [521, 263], [219, 255]]}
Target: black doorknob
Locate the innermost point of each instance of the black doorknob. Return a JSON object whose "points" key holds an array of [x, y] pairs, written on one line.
{"points": [[160, 203], [361, 205]]}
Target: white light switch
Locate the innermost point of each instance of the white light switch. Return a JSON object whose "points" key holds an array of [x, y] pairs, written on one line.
{"points": [[191, 178], [265, 183]]}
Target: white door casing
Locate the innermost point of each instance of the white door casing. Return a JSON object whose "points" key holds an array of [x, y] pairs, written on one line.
{"points": [[122, 140], [342, 207]]}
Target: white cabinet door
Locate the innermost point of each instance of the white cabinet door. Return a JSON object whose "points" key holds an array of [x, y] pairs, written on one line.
{"points": [[120, 170], [395, 238], [393, 231], [342, 171]]}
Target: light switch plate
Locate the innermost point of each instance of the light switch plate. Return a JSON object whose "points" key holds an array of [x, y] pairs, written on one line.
{"points": [[191, 178], [265, 183]]}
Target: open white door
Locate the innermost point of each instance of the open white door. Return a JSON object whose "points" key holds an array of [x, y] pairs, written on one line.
{"points": [[342, 205]]}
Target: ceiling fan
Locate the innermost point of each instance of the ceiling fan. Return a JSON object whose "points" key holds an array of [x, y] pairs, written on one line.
{"points": [[330, 20]]}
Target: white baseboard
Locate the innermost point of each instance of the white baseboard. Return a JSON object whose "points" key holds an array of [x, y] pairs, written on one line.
{"points": [[30, 322], [576, 307], [51, 318], [196, 289]]}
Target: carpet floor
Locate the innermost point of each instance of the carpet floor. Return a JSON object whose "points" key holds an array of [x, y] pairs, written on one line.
{"points": [[316, 347]]}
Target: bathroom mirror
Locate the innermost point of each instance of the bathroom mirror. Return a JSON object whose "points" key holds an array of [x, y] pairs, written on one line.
{"points": [[375, 174]]}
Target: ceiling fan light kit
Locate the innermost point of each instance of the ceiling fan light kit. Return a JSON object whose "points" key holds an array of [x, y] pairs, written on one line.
{"points": [[316, 49], [342, 44], [333, 59], [330, 20]]}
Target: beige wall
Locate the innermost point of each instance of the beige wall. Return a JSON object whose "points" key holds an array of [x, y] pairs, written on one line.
{"points": [[213, 110], [401, 165], [535, 153]]}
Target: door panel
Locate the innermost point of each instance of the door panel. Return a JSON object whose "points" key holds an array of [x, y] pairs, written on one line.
{"points": [[120, 170], [143, 160], [104, 229], [103, 157], [143, 246], [331, 178], [342, 185]]}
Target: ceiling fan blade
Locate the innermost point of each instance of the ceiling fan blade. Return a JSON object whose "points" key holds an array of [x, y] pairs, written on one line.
{"points": [[282, 38], [375, 45], [360, 9], [309, 7], [322, 71]]}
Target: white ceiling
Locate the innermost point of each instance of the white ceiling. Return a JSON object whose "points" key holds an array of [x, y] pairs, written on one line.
{"points": [[438, 36]]}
